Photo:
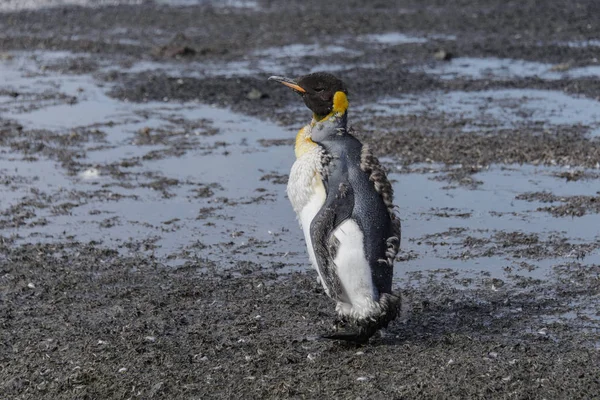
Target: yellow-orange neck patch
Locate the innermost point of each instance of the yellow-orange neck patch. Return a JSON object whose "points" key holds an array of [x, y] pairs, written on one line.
{"points": [[303, 143]]}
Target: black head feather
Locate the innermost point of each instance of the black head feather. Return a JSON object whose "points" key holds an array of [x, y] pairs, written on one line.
{"points": [[320, 87]]}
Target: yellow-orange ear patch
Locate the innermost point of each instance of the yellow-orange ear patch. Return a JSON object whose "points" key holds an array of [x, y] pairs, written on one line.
{"points": [[340, 102]]}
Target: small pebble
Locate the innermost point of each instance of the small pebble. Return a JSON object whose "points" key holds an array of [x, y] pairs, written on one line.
{"points": [[255, 94], [561, 67], [90, 173], [442, 55]]}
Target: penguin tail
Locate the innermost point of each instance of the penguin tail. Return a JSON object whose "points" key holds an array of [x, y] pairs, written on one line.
{"points": [[363, 329]]}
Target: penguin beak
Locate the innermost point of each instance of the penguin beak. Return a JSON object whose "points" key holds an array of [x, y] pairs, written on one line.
{"points": [[287, 82]]}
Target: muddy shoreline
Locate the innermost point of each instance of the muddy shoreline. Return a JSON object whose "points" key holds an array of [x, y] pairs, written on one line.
{"points": [[141, 149]]}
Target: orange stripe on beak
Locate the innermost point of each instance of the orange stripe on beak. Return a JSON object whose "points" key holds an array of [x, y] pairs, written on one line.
{"points": [[288, 82], [294, 86]]}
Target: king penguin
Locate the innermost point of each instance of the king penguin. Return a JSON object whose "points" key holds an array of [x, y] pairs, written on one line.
{"points": [[344, 203]]}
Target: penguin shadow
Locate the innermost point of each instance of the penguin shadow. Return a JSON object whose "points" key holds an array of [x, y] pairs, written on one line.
{"points": [[445, 318], [443, 314]]}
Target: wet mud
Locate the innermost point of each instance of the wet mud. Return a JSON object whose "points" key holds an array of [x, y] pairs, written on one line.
{"points": [[148, 250]]}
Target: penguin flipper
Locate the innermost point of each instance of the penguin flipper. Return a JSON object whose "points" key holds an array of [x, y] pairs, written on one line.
{"points": [[338, 207]]}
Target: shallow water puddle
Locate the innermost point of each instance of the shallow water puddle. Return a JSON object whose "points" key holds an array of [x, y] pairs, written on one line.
{"points": [[583, 43], [16, 5], [506, 108], [243, 4], [26, 175], [269, 61], [304, 50], [493, 209], [285, 59], [221, 195], [397, 38], [503, 69], [231, 164], [208, 69]]}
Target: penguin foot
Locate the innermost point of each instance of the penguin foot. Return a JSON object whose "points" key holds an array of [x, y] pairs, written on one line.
{"points": [[360, 331], [358, 336]]}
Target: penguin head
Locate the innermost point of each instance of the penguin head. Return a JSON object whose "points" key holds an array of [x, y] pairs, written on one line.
{"points": [[323, 93]]}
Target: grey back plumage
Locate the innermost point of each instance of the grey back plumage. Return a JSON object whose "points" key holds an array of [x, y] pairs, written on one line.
{"points": [[357, 188]]}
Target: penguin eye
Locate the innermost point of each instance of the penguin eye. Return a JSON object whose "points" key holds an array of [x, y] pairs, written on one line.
{"points": [[319, 89]]}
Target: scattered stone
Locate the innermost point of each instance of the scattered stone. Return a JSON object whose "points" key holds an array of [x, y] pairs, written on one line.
{"points": [[90, 173], [256, 94], [562, 67], [442, 55]]}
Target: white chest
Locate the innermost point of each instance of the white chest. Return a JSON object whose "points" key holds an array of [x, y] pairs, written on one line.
{"points": [[307, 195], [304, 185]]}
